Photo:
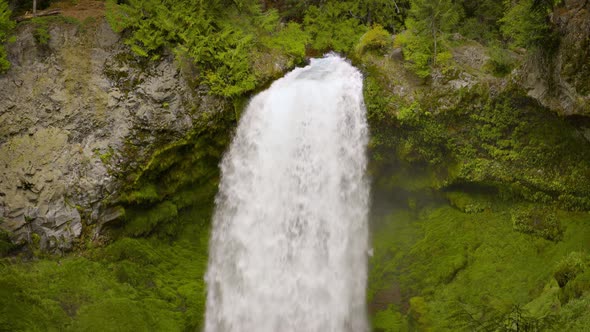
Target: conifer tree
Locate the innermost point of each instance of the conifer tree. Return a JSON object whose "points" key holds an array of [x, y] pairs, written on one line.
{"points": [[432, 19]]}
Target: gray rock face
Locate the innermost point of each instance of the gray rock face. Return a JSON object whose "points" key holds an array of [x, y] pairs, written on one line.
{"points": [[562, 80], [68, 111]]}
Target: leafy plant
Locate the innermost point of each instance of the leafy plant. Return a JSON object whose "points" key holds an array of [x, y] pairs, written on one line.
{"points": [[376, 39], [574, 264], [538, 222], [332, 27], [429, 25], [220, 37]]}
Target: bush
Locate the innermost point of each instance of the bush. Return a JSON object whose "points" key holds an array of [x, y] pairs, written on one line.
{"points": [[221, 38], [291, 39], [576, 288], [6, 244], [525, 26], [540, 222], [377, 39], [501, 61], [570, 267], [467, 203], [332, 28]]}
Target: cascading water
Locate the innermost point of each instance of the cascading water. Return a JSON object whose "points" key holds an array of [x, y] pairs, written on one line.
{"points": [[289, 243]]}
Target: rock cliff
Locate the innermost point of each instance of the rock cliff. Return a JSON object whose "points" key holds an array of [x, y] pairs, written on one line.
{"points": [[68, 108], [559, 75]]}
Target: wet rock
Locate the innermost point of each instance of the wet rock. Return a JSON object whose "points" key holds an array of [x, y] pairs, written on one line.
{"points": [[560, 78]]}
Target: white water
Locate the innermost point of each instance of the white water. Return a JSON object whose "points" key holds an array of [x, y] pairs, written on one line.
{"points": [[289, 243]]}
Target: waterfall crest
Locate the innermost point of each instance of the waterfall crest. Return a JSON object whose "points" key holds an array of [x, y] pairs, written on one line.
{"points": [[288, 250]]}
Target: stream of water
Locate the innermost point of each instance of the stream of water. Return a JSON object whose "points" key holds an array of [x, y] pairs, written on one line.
{"points": [[288, 250]]}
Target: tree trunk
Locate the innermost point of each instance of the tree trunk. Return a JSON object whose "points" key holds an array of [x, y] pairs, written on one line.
{"points": [[34, 8]]}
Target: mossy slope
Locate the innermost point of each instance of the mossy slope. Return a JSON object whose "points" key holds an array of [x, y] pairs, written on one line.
{"points": [[456, 271]]}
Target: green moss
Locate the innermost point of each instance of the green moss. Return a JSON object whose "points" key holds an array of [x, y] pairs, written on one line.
{"points": [[537, 221], [181, 175], [570, 267], [444, 137], [133, 284], [6, 26], [468, 203], [469, 269], [389, 320]]}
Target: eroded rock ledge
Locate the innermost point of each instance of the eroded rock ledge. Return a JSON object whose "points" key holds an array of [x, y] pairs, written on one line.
{"points": [[68, 109]]}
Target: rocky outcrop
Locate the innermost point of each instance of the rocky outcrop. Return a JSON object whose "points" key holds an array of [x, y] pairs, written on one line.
{"points": [[68, 111], [560, 79]]}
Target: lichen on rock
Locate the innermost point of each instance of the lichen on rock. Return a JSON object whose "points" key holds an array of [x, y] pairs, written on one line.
{"points": [[76, 115]]}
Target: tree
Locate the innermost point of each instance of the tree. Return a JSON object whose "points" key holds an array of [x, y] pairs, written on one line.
{"points": [[526, 24], [387, 13], [432, 19], [428, 25]]}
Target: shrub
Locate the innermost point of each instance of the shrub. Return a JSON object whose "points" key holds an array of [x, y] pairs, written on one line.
{"points": [[291, 39], [6, 244], [467, 203], [525, 26], [501, 61], [540, 222], [377, 39], [570, 267], [576, 288], [221, 38]]}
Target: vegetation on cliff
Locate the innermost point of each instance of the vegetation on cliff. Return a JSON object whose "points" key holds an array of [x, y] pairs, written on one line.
{"points": [[480, 216], [6, 25]]}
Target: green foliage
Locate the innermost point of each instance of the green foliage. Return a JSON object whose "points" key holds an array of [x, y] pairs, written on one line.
{"points": [[331, 27], [6, 244], [574, 264], [458, 271], [504, 141], [515, 318], [429, 24], [133, 284], [524, 26], [389, 320], [501, 61], [386, 13], [6, 25], [291, 39], [417, 50], [481, 19], [41, 35], [467, 203], [537, 221], [575, 315], [221, 37], [376, 39], [179, 176]]}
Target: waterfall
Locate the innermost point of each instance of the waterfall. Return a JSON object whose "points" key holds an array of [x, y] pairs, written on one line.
{"points": [[288, 250]]}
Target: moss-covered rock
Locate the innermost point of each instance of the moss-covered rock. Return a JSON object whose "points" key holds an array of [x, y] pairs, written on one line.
{"points": [[487, 134], [537, 221], [468, 203]]}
